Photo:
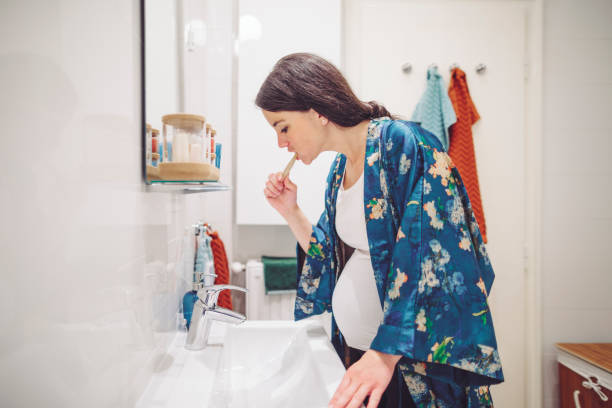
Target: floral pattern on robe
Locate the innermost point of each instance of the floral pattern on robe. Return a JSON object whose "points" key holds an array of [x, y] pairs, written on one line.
{"points": [[431, 267]]}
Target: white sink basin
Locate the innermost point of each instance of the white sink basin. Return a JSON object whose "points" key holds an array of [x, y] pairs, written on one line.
{"points": [[276, 364]]}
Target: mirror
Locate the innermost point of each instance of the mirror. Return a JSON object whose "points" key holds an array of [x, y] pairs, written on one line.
{"points": [[180, 144]]}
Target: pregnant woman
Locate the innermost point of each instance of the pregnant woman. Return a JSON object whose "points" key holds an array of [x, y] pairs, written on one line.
{"points": [[396, 257]]}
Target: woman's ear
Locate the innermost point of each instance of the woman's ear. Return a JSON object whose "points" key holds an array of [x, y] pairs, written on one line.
{"points": [[322, 119]]}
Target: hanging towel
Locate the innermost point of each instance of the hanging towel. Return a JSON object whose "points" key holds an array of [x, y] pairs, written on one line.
{"points": [[221, 269], [462, 144], [435, 111], [279, 274]]}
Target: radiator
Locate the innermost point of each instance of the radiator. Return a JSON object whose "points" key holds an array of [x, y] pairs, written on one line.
{"points": [[260, 306]]}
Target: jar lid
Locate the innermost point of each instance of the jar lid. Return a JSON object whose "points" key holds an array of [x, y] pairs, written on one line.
{"points": [[148, 127], [155, 132], [184, 120], [208, 127], [213, 132]]}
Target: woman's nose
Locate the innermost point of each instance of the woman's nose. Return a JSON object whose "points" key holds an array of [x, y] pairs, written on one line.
{"points": [[282, 141]]}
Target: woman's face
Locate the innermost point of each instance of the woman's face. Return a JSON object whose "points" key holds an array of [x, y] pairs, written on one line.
{"points": [[300, 132]]}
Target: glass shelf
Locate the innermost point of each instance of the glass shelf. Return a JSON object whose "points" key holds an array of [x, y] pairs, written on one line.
{"points": [[186, 186]]}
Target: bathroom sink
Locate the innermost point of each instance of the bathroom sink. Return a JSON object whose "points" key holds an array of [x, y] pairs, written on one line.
{"points": [[276, 364]]}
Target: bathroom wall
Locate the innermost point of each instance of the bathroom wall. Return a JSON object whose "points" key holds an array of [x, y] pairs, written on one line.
{"points": [[90, 288], [576, 219]]}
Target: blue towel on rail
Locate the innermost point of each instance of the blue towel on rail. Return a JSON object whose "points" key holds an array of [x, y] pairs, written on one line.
{"points": [[435, 110]]}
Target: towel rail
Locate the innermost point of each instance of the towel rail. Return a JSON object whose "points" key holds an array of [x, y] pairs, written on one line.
{"points": [[479, 68]]}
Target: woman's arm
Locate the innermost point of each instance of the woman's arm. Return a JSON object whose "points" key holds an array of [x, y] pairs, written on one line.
{"points": [[315, 266], [282, 196]]}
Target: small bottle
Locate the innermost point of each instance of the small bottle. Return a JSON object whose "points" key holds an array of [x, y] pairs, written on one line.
{"points": [[218, 155], [213, 133], [148, 145], [207, 143], [155, 147], [189, 300], [203, 267]]}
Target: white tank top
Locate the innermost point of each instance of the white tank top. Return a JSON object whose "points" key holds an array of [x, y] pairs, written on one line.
{"points": [[355, 301]]}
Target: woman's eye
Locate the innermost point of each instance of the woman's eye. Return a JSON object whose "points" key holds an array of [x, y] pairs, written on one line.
{"points": [[284, 130]]}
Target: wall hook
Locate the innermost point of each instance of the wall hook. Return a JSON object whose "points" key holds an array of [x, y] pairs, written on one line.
{"points": [[481, 68]]}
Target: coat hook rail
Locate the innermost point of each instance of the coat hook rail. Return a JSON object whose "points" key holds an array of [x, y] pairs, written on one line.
{"points": [[480, 68]]}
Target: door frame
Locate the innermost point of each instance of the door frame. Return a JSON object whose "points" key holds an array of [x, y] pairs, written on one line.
{"points": [[533, 204]]}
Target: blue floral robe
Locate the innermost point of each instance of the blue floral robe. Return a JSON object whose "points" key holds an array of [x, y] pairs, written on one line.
{"points": [[431, 267]]}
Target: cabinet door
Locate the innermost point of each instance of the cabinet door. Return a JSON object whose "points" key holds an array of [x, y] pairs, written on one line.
{"points": [[269, 30], [576, 395]]}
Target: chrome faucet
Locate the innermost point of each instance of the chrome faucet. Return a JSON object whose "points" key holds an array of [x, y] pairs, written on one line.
{"points": [[205, 310]]}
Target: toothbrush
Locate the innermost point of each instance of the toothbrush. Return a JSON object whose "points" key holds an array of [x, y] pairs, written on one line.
{"points": [[288, 167]]}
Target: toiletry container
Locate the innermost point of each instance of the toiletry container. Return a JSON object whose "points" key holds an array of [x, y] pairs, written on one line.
{"points": [[151, 157], [207, 143], [185, 149], [203, 268], [213, 134], [155, 146], [189, 301], [153, 169], [218, 155], [183, 133], [148, 145]]}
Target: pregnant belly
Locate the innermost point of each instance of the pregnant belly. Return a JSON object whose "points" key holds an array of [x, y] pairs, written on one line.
{"points": [[355, 302]]}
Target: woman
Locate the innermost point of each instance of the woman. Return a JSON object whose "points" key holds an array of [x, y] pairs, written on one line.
{"points": [[397, 256]]}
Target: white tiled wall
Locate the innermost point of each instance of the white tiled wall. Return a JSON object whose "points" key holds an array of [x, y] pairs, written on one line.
{"points": [[89, 287], [577, 196]]}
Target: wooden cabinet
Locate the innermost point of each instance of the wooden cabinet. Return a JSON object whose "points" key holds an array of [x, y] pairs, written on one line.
{"points": [[585, 375]]}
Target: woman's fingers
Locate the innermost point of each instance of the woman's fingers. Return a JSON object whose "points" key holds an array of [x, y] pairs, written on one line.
{"points": [[270, 186], [375, 397], [274, 185], [344, 393], [359, 396], [269, 194], [289, 185], [277, 180]]}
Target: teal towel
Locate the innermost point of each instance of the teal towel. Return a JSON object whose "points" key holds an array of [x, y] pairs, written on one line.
{"points": [[279, 274], [435, 110]]}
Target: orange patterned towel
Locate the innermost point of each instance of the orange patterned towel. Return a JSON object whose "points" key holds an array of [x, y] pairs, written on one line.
{"points": [[221, 269], [461, 148]]}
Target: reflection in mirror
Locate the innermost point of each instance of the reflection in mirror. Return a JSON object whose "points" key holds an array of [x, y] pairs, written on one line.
{"points": [[179, 146]]}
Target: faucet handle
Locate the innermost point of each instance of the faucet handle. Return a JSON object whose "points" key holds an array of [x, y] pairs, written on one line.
{"points": [[210, 294]]}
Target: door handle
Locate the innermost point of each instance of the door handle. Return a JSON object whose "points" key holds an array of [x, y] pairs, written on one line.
{"points": [[576, 399]]}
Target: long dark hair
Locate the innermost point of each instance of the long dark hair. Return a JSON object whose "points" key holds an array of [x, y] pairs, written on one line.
{"points": [[302, 81]]}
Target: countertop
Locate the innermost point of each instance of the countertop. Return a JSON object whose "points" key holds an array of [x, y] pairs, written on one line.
{"points": [[185, 378], [598, 354]]}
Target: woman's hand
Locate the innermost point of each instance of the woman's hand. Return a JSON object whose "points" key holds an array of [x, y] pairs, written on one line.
{"points": [[368, 376], [282, 196]]}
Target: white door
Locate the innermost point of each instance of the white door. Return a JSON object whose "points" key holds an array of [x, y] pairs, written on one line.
{"points": [[383, 35]]}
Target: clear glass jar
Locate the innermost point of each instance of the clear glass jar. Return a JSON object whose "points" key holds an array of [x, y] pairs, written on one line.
{"points": [[183, 135]]}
